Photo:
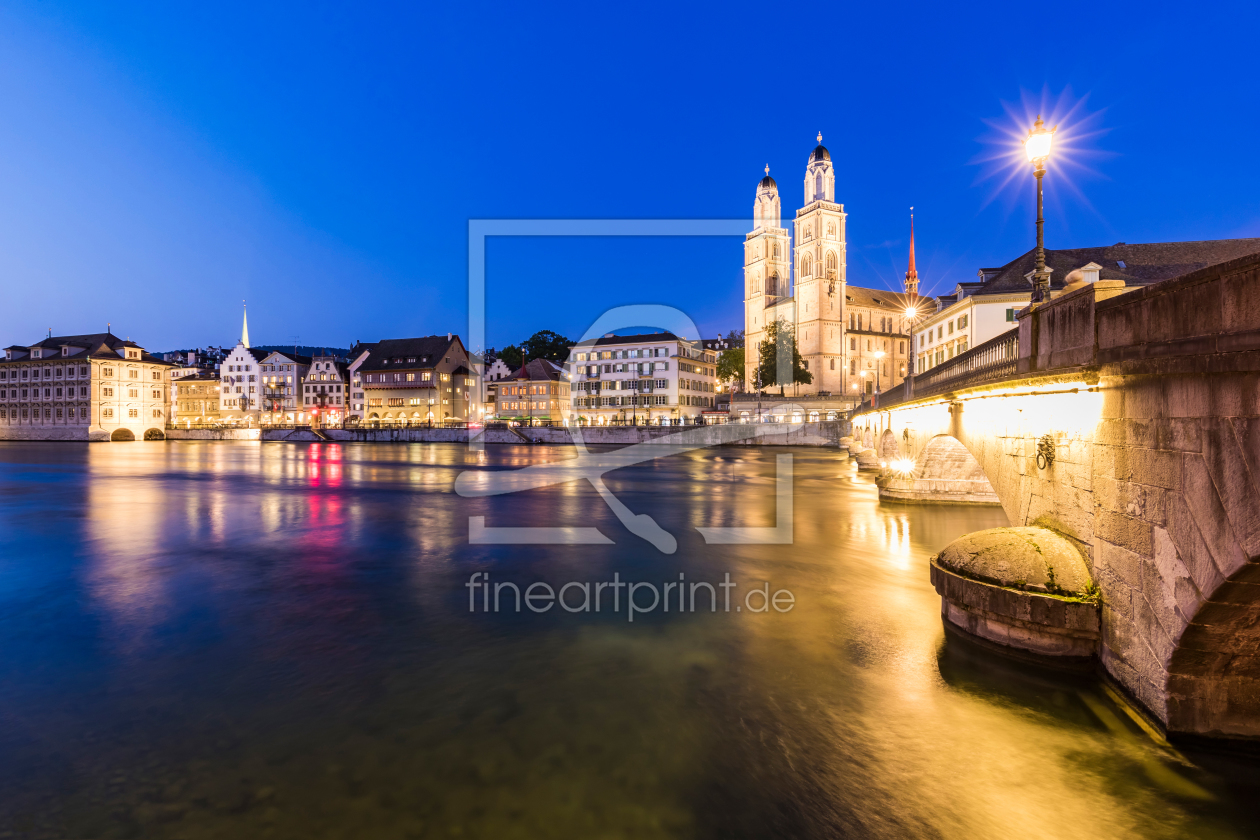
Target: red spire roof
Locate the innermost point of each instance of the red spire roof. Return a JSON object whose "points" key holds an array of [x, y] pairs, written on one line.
{"points": [[912, 276]]}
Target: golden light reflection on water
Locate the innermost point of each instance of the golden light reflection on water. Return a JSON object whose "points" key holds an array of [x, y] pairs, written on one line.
{"points": [[338, 671]]}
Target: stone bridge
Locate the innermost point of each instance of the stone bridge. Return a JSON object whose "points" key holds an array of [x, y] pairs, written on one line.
{"points": [[1130, 423]]}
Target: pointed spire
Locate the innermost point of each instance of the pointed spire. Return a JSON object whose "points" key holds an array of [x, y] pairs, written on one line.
{"points": [[912, 276], [244, 325]]}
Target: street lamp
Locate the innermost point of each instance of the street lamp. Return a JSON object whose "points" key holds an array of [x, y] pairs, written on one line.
{"points": [[879, 360], [1037, 147]]}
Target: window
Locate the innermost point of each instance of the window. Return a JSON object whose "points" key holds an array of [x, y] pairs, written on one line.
{"points": [[107, 412], [833, 364], [107, 392], [104, 372], [962, 322], [951, 327]]}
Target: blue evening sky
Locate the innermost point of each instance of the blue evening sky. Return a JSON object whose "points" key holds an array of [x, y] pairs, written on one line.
{"points": [[161, 161]]}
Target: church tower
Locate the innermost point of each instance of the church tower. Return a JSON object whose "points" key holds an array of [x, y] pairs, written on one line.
{"points": [[912, 276], [767, 271], [820, 275]]}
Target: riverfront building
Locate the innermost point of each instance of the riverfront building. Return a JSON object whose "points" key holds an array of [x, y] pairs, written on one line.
{"points": [[538, 392], [325, 391], [849, 337], [401, 381], [651, 378], [83, 387], [196, 400], [280, 377]]}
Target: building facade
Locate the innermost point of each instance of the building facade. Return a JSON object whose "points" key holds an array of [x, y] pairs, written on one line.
{"points": [[805, 287], [537, 393], [408, 381], [196, 400], [655, 378], [280, 378], [325, 392], [83, 387]]}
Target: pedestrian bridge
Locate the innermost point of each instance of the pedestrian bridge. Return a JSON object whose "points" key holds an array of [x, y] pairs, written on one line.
{"points": [[1130, 423]]}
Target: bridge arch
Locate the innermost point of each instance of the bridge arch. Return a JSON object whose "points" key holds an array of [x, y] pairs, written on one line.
{"points": [[1214, 672], [122, 434]]}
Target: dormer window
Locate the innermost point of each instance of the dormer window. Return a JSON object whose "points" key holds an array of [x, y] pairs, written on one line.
{"points": [[34, 354], [65, 351]]}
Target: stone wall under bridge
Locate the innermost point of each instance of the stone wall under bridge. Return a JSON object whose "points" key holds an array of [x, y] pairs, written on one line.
{"points": [[1148, 402]]}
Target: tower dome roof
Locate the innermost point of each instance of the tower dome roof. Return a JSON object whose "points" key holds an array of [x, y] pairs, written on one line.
{"points": [[767, 183], [820, 153]]}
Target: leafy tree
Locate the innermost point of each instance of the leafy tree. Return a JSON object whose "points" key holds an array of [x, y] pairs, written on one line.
{"points": [[730, 366], [511, 356], [548, 345], [781, 338]]}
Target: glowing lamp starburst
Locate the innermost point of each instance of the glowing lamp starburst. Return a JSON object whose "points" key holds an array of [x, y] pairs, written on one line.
{"points": [[1040, 138]]}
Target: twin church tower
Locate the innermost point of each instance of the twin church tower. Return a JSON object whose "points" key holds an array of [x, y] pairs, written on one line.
{"points": [[850, 338]]}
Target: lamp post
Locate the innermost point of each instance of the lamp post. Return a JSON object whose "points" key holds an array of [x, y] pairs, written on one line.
{"points": [[879, 360], [1037, 147], [912, 312]]}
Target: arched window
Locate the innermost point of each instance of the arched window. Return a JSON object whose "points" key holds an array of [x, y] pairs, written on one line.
{"points": [[831, 230], [831, 263], [807, 267], [833, 364], [772, 284], [818, 190], [776, 250], [851, 322]]}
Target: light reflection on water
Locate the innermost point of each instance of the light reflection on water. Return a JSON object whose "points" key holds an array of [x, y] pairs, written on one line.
{"points": [[208, 640]]}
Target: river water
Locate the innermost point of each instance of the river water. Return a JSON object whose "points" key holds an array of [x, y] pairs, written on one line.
{"points": [[235, 640]]}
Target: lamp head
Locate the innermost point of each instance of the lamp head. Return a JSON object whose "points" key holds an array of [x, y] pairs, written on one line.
{"points": [[879, 354], [912, 312], [1037, 145]]}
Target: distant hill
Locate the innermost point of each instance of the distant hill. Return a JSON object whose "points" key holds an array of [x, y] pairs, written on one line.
{"points": [[304, 350]]}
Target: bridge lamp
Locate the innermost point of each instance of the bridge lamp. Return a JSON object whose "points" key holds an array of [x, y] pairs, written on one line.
{"points": [[1037, 147], [905, 466]]}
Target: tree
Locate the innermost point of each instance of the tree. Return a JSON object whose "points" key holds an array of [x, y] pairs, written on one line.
{"points": [[730, 366], [781, 338], [548, 345], [511, 356]]}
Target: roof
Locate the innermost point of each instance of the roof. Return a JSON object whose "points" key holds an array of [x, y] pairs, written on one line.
{"points": [[820, 153], [199, 377], [767, 183], [339, 365], [538, 370], [296, 358], [721, 343], [392, 353], [639, 338], [880, 298], [1143, 264], [95, 344]]}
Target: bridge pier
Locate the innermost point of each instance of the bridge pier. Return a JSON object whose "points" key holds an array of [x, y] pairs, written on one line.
{"points": [[1131, 429]]}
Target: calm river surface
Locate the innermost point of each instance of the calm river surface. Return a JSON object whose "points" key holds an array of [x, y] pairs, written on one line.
{"points": [[236, 640]]}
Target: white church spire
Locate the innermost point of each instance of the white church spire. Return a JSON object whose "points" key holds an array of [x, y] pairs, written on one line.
{"points": [[244, 325]]}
